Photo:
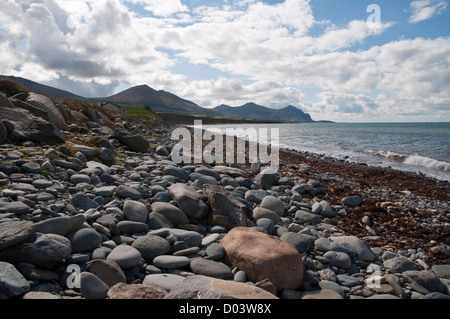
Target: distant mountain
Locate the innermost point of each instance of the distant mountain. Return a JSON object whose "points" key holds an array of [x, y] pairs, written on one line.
{"points": [[259, 112], [159, 101], [43, 89]]}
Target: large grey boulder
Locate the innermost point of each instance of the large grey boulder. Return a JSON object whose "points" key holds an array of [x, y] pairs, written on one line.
{"points": [[44, 103], [28, 127], [134, 142]]}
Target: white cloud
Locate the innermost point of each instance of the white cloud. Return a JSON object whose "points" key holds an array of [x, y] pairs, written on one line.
{"points": [[162, 8], [426, 9]]}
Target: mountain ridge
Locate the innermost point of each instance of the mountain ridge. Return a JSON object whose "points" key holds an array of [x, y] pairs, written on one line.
{"points": [[166, 102]]}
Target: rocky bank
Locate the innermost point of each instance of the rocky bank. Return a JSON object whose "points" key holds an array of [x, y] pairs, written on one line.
{"points": [[92, 207]]}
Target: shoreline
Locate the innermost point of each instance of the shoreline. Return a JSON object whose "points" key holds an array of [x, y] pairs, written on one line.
{"points": [[403, 207]]}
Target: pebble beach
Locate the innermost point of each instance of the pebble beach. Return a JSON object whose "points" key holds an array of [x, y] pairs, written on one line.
{"points": [[104, 213]]}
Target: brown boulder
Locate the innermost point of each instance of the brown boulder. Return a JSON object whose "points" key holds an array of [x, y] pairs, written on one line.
{"points": [[262, 256]]}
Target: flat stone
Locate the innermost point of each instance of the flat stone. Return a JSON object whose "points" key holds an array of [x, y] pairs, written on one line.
{"points": [[200, 266], [255, 196], [304, 217], [165, 282], [352, 201], [60, 225], [131, 227], [349, 281], [80, 178], [124, 191], [320, 294], [260, 212], [203, 287], [14, 232], [322, 244], [191, 238], [426, 279], [326, 284], [14, 207], [171, 262], [83, 202], [135, 292]]}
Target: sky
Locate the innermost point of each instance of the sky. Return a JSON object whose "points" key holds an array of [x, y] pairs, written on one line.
{"points": [[346, 60]]}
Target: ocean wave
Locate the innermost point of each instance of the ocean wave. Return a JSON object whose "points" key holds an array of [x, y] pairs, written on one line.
{"points": [[412, 159], [428, 162], [396, 156]]}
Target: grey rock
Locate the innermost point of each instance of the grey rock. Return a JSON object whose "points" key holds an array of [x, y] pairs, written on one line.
{"points": [[300, 242], [327, 210], [92, 287], [338, 259], [171, 262], [215, 251], [441, 270], [349, 281], [260, 212], [225, 209], [131, 227], [326, 284], [200, 266], [188, 200], [107, 270], [12, 282], [106, 155], [266, 225], [435, 295], [255, 196], [14, 232], [352, 201], [17, 208], [80, 178], [163, 281], [267, 178], [274, 204], [162, 150], [83, 202], [322, 244], [125, 256], [31, 168], [54, 115], [191, 238], [134, 142], [176, 171], [157, 221], [135, 211], [304, 217], [426, 279], [400, 264], [84, 240], [208, 171], [48, 250], [28, 127], [60, 225], [175, 215], [151, 246], [363, 252], [124, 191]]}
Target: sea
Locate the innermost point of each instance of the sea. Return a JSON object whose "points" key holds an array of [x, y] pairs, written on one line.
{"points": [[413, 147]]}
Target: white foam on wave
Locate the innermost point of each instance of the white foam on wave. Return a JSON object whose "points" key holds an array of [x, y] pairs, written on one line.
{"points": [[419, 160]]}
